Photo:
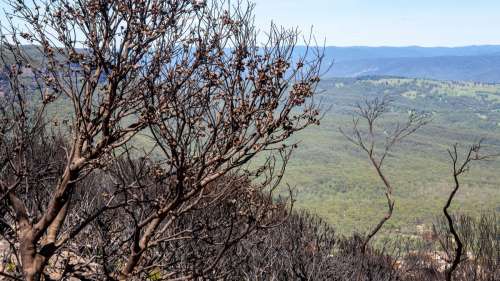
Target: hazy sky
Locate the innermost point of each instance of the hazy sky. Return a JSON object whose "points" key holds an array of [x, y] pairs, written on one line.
{"points": [[388, 22]]}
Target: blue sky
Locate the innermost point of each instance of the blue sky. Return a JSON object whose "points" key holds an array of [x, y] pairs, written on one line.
{"points": [[388, 22]]}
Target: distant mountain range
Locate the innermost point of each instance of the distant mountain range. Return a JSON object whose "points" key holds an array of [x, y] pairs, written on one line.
{"points": [[470, 63]]}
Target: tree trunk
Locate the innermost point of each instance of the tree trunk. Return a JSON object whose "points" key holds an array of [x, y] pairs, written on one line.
{"points": [[35, 260], [33, 264]]}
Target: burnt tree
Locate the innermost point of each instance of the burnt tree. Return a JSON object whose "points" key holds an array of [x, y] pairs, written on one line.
{"points": [[189, 77], [377, 146]]}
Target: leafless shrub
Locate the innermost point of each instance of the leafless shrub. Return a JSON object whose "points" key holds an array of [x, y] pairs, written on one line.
{"points": [[300, 248], [459, 168], [480, 246]]}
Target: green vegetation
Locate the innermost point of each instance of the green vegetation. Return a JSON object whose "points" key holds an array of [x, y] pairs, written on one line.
{"points": [[333, 179]]}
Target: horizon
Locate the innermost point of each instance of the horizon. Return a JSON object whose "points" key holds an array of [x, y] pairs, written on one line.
{"points": [[385, 46], [405, 46]]}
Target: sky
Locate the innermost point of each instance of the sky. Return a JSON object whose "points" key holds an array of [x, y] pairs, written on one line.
{"points": [[387, 22], [425, 23]]}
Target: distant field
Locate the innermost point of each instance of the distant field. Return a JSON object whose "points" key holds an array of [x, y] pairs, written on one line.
{"points": [[334, 180]]}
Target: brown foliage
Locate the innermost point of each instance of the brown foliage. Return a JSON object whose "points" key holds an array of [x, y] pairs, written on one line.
{"points": [[188, 74]]}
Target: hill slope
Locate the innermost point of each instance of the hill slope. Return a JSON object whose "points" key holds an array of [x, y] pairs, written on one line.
{"points": [[485, 68], [334, 179], [470, 63], [360, 52]]}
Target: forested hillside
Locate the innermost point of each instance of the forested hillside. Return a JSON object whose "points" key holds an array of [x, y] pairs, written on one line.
{"points": [[335, 180], [472, 63]]}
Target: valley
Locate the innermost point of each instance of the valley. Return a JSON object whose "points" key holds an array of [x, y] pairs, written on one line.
{"points": [[334, 179]]}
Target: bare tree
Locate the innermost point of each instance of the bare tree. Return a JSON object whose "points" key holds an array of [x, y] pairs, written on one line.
{"points": [[367, 138], [188, 75], [480, 247], [459, 168]]}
